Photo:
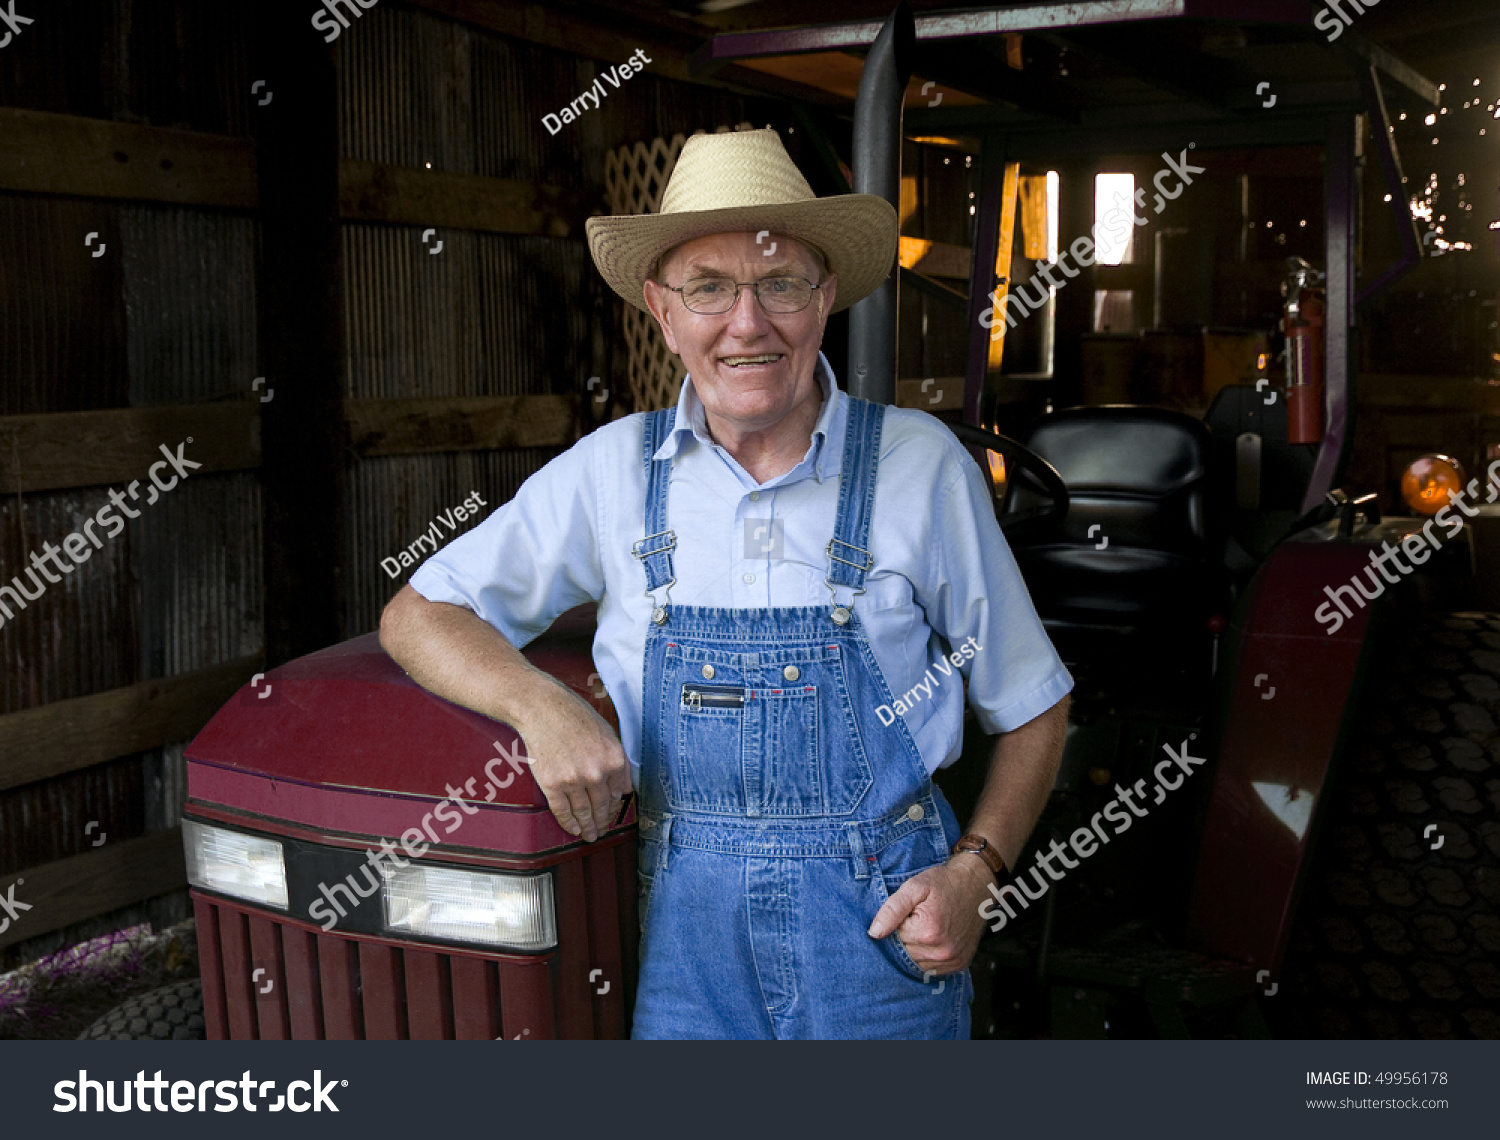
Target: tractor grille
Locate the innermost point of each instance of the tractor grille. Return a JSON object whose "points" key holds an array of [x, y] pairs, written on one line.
{"points": [[268, 978]]}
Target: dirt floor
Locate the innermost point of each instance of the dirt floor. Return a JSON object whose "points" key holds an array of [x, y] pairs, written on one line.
{"points": [[60, 996]]}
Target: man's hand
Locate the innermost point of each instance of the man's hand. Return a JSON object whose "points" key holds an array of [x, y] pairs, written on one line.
{"points": [[577, 761], [936, 914]]}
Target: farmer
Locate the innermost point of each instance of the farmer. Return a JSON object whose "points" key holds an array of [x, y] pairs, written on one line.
{"points": [[793, 587]]}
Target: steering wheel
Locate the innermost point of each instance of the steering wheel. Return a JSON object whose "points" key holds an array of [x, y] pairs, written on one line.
{"points": [[1023, 467]]}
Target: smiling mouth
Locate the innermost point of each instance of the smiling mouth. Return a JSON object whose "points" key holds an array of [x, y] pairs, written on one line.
{"points": [[744, 361]]}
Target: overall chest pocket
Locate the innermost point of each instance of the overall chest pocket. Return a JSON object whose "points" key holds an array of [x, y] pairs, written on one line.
{"points": [[751, 750]]}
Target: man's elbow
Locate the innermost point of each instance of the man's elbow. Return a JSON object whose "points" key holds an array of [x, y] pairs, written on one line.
{"points": [[397, 619]]}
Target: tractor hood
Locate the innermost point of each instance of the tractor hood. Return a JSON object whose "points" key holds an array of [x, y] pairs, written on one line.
{"points": [[343, 740]]}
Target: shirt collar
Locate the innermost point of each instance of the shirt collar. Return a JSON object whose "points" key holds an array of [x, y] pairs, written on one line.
{"points": [[692, 421]]}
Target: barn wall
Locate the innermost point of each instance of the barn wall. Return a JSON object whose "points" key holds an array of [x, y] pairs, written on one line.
{"points": [[165, 316], [168, 317], [490, 314]]}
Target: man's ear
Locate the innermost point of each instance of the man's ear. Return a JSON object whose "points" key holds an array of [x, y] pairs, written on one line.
{"points": [[657, 297], [828, 293]]}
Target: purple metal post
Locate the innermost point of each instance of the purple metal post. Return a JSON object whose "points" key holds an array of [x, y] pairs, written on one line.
{"points": [[982, 267], [1338, 315]]}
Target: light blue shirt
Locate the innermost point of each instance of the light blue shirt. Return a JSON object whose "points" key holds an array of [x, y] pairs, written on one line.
{"points": [[943, 573]]}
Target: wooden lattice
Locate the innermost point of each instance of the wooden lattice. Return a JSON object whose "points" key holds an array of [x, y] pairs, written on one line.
{"points": [[634, 177]]}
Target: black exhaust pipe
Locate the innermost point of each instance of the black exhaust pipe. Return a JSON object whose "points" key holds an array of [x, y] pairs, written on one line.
{"points": [[877, 170]]}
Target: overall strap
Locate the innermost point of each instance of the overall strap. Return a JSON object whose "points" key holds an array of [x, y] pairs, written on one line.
{"points": [[655, 550], [849, 558]]}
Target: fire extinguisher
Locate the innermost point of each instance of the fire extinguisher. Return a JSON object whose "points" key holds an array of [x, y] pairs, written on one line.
{"points": [[1303, 324]]}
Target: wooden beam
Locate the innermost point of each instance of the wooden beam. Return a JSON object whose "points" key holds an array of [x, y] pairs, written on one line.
{"points": [[935, 258], [460, 423], [96, 882], [1009, 201], [564, 32], [65, 736], [45, 153], [414, 196], [612, 37], [56, 450]]}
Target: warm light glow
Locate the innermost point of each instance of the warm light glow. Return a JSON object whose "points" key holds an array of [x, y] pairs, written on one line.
{"points": [[1426, 482], [1052, 214], [913, 250], [908, 205], [997, 470], [1110, 190]]}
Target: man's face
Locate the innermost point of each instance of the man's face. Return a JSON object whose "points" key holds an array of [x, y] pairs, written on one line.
{"points": [[750, 368]]}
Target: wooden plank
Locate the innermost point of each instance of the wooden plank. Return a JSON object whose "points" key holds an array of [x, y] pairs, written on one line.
{"points": [[45, 153], [460, 423], [56, 450], [411, 195], [1009, 199], [96, 882], [669, 41], [935, 258], [64, 736]]}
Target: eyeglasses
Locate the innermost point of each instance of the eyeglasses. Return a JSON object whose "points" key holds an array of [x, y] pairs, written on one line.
{"points": [[720, 294]]}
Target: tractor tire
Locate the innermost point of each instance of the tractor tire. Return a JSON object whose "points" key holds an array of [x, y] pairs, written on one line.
{"points": [[1397, 934], [171, 1013]]}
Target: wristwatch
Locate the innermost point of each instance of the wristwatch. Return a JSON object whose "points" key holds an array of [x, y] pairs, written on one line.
{"points": [[979, 845]]}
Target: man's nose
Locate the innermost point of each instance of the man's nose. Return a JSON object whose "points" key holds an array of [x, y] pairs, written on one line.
{"points": [[747, 315]]}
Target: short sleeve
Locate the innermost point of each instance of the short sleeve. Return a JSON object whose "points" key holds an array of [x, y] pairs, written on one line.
{"points": [[533, 558], [981, 601]]}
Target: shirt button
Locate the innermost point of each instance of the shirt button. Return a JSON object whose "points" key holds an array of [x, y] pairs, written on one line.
{"points": [[749, 578], [915, 812], [791, 672], [755, 496], [708, 672]]}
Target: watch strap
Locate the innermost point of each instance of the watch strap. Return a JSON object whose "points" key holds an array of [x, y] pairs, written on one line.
{"points": [[979, 845]]}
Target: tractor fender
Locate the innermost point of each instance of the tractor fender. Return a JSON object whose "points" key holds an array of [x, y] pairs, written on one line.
{"points": [[1286, 695]]}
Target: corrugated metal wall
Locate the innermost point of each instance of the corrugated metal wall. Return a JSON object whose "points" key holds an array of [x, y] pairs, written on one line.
{"points": [[491, 314], [166, 316]]}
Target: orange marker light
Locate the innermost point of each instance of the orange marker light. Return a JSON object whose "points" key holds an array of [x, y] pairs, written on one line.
{"points": [[1426, 482]]}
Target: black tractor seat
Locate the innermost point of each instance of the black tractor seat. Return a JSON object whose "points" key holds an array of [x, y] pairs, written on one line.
{"points": [[1128, 581]]}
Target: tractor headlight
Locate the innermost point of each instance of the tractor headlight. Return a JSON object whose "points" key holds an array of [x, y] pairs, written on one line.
{"points": [[233, 863], [471, 906]]}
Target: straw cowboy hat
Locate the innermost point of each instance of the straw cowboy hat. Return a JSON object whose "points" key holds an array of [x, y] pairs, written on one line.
{"points": [[746, 181]]}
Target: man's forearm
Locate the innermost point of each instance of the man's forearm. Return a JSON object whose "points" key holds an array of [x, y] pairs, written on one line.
{"points": [[1023, 768], [454, 653]]}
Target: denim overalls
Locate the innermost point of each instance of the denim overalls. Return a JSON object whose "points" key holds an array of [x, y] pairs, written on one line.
{"points": [[777, 813]]}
